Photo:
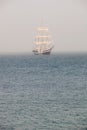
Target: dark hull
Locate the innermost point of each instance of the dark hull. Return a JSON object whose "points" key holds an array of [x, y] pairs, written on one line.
{"points": [[46, 52], [43, 53]]}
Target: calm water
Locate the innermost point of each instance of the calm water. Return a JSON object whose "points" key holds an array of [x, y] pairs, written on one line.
{"points": [[43, 92]]}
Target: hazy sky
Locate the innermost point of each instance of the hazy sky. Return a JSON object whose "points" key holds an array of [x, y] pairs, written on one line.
{"points": [[66, 20]]}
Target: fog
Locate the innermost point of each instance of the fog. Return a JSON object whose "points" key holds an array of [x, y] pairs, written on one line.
{"points": [[66, 20]]}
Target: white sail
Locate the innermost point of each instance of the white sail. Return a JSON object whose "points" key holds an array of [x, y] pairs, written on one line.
{"points": [[43, 41]]}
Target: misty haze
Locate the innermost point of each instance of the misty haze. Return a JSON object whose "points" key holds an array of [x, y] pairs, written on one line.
{"points": [[66, 20]]}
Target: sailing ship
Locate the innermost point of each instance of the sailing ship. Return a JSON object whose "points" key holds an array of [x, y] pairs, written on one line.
{"points": [[43, 43]]}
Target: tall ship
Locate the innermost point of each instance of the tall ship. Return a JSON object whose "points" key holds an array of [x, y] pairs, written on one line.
{"points": [[43, 42]]}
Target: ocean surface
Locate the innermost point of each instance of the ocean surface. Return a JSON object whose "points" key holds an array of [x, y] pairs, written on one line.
{"points": [[43, 92]]}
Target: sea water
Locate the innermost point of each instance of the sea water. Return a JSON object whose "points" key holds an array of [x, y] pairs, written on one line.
{"points": [[43, 92]]}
